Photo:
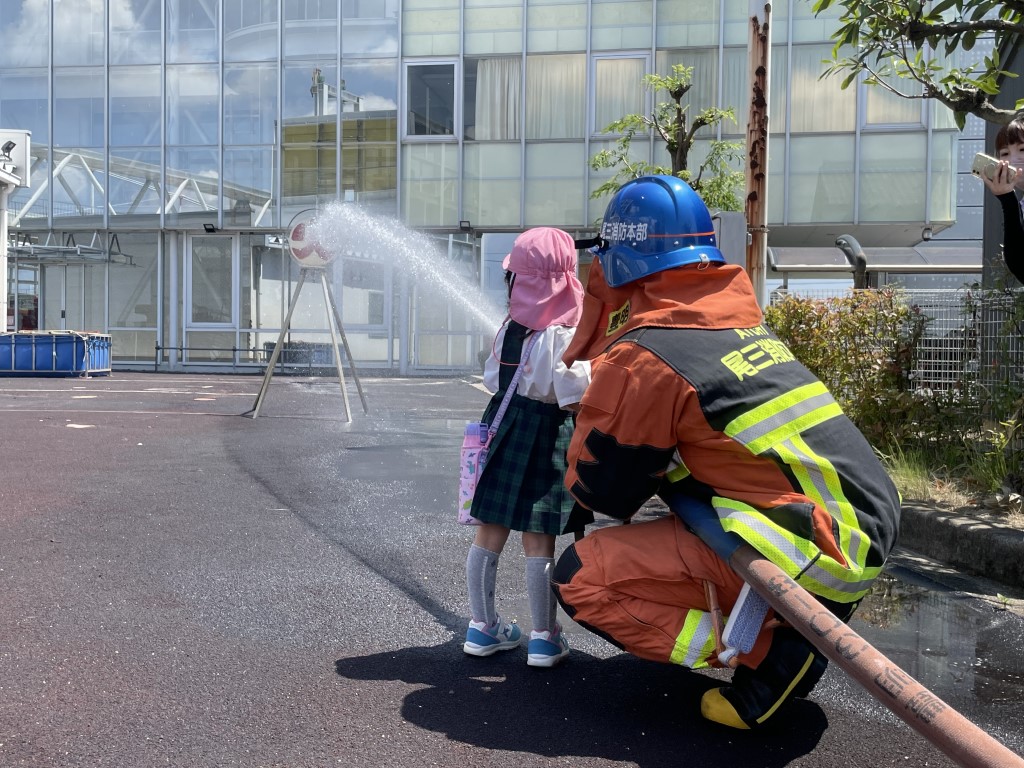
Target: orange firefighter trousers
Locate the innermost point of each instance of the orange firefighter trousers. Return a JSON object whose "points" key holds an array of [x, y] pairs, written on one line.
{"points": [[636, 584]]}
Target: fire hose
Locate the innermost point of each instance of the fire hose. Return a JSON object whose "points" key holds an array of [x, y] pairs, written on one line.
{"points": [[921, 709]]}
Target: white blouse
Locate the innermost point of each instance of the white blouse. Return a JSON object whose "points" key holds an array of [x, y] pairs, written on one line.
{"points": [[545, 377]]}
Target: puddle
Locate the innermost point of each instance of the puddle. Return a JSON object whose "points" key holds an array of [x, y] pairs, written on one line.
{"points": [[965, 649]]}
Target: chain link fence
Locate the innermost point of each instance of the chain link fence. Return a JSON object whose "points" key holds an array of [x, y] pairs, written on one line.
{"points": [[972, 341]]}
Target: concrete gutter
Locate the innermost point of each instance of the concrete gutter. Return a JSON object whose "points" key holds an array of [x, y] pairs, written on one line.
{"points": [[970, 543]]}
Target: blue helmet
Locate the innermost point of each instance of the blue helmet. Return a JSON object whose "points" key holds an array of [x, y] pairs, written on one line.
{"points": [[655, 223]]}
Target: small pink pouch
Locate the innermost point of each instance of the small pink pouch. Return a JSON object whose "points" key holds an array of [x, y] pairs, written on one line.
{"points": [[474, 451]]}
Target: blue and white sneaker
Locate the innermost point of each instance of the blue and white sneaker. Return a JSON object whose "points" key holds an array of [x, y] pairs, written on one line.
{"points": [[483, 640], [546, 649]]}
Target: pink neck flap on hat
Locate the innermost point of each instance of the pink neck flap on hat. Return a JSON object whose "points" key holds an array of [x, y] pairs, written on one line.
{"points": [[546, 290]]}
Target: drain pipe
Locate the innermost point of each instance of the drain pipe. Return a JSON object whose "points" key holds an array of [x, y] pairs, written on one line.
{"points": [[855, 255]]}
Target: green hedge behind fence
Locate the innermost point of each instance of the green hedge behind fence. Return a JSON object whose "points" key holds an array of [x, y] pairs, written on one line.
{"points": [[913, 379]]}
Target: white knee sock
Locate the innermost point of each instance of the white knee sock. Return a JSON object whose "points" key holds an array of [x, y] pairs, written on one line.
{"points": [[542, 598], [481, 576]]}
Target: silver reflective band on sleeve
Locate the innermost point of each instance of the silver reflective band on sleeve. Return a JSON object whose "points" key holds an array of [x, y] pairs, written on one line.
{"points": [[777, 426], [695, 641], [676, 469], [826, 583]]}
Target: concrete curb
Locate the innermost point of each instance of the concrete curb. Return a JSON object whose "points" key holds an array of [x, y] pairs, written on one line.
{"points": [[970, 543]]}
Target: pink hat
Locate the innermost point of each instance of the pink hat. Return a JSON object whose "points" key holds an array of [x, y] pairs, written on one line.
{"points": [[546, 290]]}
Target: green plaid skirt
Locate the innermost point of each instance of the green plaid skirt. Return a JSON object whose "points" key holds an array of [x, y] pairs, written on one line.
{"points": [[521, 486]]}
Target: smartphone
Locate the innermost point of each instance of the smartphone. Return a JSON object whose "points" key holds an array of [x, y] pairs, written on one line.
{"points": [[987, 166]]}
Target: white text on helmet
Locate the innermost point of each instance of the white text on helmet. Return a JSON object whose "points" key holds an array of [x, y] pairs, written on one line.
{"points": [[623, 230]]}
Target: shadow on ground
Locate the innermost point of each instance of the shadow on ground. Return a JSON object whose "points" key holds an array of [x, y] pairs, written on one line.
{"points": [[621, 708]]}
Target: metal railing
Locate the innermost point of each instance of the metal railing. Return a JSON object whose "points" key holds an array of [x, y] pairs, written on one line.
{"points": [[304, 357]]}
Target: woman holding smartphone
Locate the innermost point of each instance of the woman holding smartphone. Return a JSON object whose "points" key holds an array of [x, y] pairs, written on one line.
{"points": [[1004, 184]]}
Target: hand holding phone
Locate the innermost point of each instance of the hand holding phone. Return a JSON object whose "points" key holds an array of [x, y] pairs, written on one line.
{"points": [[987, 166]]}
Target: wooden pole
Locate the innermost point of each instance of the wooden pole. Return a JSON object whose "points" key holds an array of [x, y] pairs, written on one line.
{"points": [[925, 712], [755, 208]]}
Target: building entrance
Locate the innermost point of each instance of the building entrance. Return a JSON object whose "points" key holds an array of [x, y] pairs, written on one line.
{"points": [[56, 288], [211, 300], [72, 298]]}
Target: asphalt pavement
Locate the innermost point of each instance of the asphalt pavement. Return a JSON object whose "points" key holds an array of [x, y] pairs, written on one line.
{"points": [[182, 584]]}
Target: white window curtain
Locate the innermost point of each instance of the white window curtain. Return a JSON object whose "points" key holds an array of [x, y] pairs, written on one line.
{"points": [[498, 88], [818, 105], [619, 89], [555, 98], [736, 91], [886, 108]]}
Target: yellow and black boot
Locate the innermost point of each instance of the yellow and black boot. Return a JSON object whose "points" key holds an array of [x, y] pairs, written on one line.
{"points": [[790, 670]]}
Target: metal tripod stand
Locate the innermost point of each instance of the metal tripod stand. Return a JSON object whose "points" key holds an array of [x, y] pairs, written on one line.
{"points": [[337, 329]]}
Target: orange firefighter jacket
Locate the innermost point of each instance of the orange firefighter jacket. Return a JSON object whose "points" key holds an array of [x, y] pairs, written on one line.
{"points": [[689, 386]]}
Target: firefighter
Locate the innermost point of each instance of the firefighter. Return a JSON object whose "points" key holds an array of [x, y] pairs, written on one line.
{"points": [[695, 400]]}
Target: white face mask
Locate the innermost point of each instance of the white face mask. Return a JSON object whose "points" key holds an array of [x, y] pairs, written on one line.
{"points": [[1014, 155]]}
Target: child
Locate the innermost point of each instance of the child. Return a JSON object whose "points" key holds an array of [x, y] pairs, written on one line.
{"points": [[1010, 150], [521, 486]]}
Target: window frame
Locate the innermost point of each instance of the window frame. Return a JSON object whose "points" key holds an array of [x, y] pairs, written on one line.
{"points": [[457, 88], [593, 129]]}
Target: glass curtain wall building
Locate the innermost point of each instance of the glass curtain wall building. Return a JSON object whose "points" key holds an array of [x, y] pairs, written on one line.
{"points": [[173, 141]]}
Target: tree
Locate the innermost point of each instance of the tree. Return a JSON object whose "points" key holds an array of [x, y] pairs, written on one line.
{"points": [[716, 179], [903, 46]]}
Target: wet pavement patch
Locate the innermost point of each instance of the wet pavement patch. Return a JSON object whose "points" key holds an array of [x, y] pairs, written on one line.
{"points": [[964, 649]]}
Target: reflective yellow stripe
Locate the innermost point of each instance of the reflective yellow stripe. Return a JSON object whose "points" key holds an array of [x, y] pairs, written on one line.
{"points": [[790, 687], [677, 470], [799, 558], [787, 400], [790, 552], [695, 642], [820, 482], [783, 417], [818, 478], [818, 580]]}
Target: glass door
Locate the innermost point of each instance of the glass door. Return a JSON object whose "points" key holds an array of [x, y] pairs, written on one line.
{"points": [[365, 304], [72, 298], [23, 282], [211, 299], [446, 324]]}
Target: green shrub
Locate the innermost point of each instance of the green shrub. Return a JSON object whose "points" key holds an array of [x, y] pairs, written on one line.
{"points": [[863, 346], [866, 347]]}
